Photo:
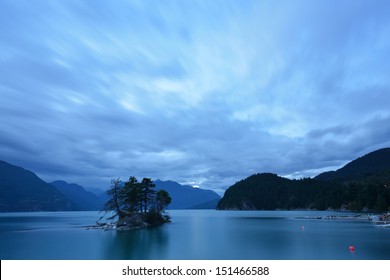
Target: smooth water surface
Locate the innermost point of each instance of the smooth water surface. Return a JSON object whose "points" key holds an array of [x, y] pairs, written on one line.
{"points": [[193, 234]]}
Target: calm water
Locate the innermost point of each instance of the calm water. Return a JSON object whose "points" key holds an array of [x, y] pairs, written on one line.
{"points": [[193, 234]]}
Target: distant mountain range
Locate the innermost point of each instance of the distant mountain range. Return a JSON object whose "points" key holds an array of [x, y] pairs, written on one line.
{"points": [[22, 190], [81, 198], [188, 197], [361, 185]]}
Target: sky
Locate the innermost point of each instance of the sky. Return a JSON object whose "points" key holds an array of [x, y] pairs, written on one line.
{"points": [[204, 93]]}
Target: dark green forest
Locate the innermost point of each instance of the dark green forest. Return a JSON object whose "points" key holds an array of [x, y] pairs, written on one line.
{"points": [[268, 191]]}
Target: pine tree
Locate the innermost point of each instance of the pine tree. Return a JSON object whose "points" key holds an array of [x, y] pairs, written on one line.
{"points": [[115, 203]]}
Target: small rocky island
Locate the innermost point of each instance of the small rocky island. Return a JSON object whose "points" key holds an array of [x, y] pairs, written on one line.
{"points": [[134, 205]]}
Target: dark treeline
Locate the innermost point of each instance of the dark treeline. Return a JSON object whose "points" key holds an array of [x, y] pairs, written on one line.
{"points": [[268, 191]]}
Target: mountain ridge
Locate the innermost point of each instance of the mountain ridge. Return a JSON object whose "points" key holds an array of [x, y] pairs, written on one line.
{"points": [[82, 199], [366, 165], [22, 190]]}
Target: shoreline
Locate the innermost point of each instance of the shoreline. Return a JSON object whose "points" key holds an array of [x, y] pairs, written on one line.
{"points": [[376, 219]]}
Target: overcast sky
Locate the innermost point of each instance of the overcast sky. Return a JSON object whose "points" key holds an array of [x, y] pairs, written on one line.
{"points": [[201, 92]]}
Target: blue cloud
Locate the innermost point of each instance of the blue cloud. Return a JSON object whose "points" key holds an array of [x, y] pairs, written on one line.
{"points": [[204, 92]]}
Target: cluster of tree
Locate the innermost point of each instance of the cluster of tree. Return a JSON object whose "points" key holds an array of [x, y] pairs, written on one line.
{"points": [[269, 192], [137, 199]]}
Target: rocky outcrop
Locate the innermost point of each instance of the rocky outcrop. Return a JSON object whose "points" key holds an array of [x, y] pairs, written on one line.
{"points": [[133, 221]]}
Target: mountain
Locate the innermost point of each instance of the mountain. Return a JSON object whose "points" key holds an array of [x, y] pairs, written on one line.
{"points": [[267, 191], [212, 204], [22, 190], [95, 191], [252, 193], [361, 185], [82, 199], [369, 164], [186, 197]]}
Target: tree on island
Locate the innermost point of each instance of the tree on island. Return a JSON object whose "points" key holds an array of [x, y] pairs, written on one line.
{"points": [[137, 204], [115, 203]]}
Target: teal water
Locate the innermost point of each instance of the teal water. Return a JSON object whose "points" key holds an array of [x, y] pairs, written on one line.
{"points": [[193, 234]]}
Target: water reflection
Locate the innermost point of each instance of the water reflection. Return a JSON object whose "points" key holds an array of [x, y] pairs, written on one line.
{"points": [[193, 234], [137, 244]]}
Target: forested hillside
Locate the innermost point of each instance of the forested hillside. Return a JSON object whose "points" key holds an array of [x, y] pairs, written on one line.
{"points": [[362, 185]]}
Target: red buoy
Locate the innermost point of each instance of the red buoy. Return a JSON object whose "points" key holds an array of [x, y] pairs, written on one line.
{"points": [[352, 248]]}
